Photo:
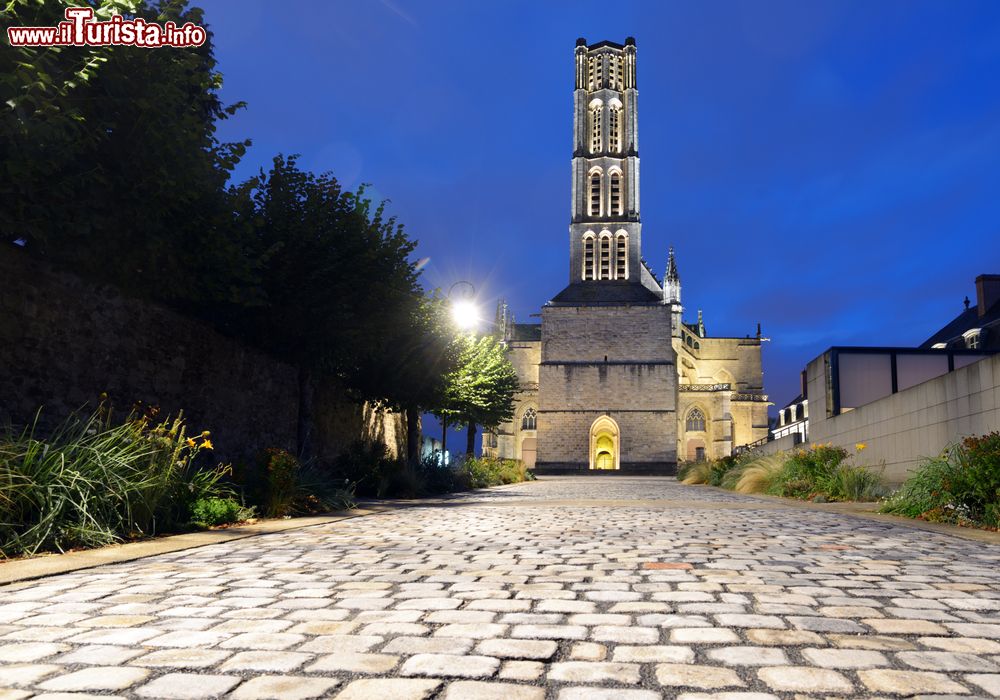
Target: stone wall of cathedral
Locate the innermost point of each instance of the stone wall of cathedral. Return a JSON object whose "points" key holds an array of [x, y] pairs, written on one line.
{"points": [[607, 360]]}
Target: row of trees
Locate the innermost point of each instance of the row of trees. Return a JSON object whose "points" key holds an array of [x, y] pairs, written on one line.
{"points": [[110, 165]]}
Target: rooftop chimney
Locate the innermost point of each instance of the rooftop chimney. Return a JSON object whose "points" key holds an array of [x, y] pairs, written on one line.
{"points": [[987, 292]]}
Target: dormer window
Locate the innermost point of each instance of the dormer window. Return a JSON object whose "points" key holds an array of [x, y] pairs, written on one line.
{"points": [[972, 338]]}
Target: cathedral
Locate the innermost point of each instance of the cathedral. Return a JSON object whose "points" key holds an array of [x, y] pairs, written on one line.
{"points": [[613, 378]]}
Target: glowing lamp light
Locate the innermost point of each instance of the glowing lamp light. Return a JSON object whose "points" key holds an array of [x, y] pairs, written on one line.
{"points": [[465, 314]]}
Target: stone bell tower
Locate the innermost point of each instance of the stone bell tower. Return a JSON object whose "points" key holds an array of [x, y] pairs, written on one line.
{"points": [[605, 230], [607, 386]]}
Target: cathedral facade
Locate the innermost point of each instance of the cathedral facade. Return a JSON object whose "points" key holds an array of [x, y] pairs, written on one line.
{"points": [[613, 378]]}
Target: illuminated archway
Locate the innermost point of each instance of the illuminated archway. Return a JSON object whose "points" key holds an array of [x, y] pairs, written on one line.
{"points": [[605, 444]]}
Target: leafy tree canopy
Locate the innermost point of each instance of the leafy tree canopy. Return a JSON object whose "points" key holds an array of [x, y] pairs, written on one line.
{"points": [[481, 390]]}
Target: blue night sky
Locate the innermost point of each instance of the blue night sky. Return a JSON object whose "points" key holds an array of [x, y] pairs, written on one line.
{"points": [[829, 169]]}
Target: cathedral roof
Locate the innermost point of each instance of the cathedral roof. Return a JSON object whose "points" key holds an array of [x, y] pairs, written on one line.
{"points": [[605, 292]]}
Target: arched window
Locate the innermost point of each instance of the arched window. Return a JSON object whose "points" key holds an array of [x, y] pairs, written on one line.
{"points": [[588, 256], [614, 129], [621, 256], [616, 193], [696, 420], [529, 420], [605, 273], [595, 127], [595, 193]]}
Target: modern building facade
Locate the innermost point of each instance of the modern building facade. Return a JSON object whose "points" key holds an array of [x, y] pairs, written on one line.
{"points": [[612, 378]]}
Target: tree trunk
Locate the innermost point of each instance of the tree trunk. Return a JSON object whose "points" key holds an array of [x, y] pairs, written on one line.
{"points": [[305, 424], [444, 441], [412, 435], [470, 444]]}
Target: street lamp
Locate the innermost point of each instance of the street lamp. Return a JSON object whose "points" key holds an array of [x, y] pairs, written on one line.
{"points": [[464, 311], [465, 314]]}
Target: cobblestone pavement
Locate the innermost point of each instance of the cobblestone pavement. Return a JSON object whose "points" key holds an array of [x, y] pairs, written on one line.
{"points": [[613, 587]]}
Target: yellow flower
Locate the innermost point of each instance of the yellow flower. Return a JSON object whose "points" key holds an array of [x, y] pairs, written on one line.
{"points": [[207, 445], [191, 442], [205, 434], [860, 446]]}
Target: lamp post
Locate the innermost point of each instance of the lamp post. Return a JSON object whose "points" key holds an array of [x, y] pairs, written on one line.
{"points": [[465, 314]]}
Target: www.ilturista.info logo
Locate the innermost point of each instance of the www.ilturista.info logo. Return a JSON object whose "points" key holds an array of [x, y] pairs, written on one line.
{"points": [[80, 29]]}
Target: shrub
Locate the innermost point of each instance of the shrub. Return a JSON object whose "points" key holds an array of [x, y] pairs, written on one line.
{"points": [[369, 468], [218, 511], [697, 473], [807, 472], [961, 486], [481, 472], [91, 482], [854, 484], [759, 474], [282, 470]]}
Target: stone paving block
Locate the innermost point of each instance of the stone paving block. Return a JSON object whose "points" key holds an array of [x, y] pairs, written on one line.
{"points": [[182, 658], [946, 661], [588, 651], [428, 645], [470, 666], [263, 640], [695, 676], [704, 635], [472, 631], [971, 645], [907, 627], [549, 632], [187, 686], [13, 694], [594, 672], [826, 624], [626, 635], [96, 678], [747, 656], [521, 670], [988, 631], [30, 651], [518, 648], [804, 679], [845, 658], [783, 638], [352, 662], [334, 643], [97, 655], [869, 641], [909, 682], [749, 620], [27, 674], [990, 682], [728, 696], [284, 688], [395, 688], [654, 654], [478, 690], [275, 661], [589, 693]]}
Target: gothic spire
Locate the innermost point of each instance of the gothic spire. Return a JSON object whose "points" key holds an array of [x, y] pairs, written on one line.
{"points": [[672, 275]]}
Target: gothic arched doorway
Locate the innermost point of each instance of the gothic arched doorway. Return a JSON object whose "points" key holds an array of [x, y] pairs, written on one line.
{"points": [[604, 444]]}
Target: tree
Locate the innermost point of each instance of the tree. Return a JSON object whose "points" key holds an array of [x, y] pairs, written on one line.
{"points": [[340, 296], [481, 390], [109, 163], [410, 370]]}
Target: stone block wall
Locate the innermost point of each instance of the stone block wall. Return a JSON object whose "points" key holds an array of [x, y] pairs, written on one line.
{"points": [[611, 360], [64, 341], [902, 429]]}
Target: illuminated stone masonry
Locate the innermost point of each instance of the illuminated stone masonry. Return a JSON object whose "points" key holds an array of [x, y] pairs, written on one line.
{"points": [[565, 588], [600, 374]]}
